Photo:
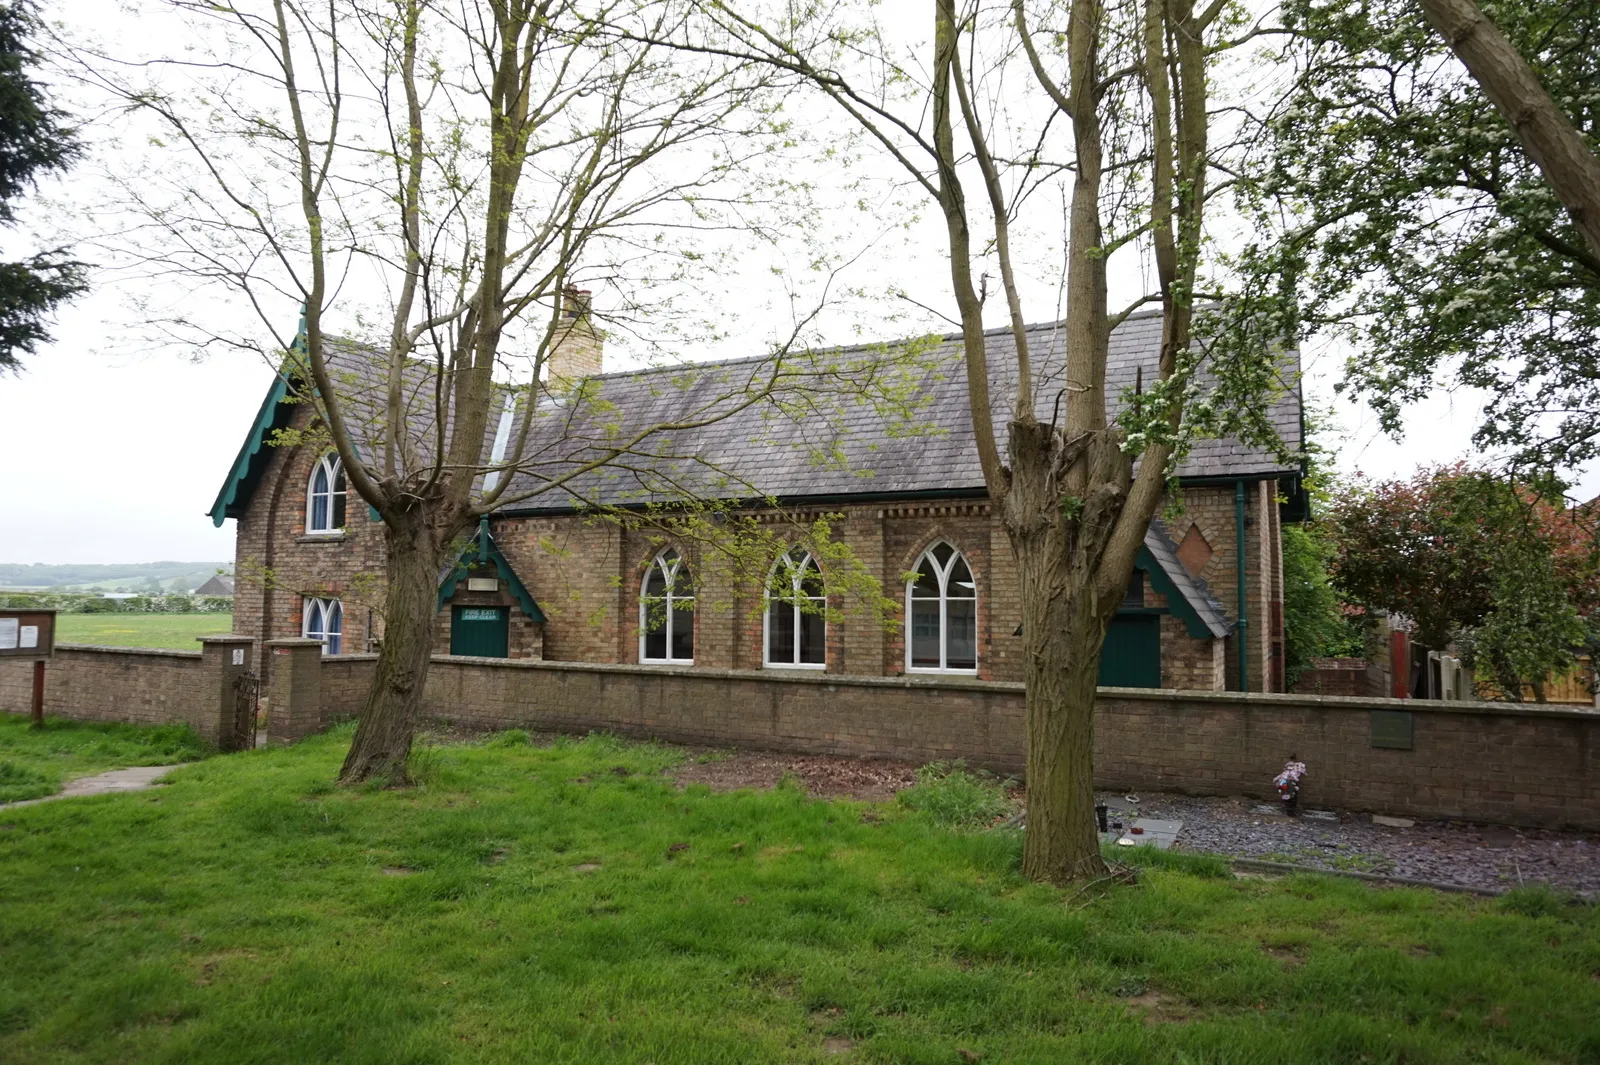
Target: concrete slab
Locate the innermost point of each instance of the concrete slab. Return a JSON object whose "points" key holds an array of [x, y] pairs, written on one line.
{"points": [[139, 778], [1393, 822], [1156, 833]]}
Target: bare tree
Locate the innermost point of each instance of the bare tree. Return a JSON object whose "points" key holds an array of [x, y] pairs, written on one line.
{"points": [[1109, 102], [445, 175]]}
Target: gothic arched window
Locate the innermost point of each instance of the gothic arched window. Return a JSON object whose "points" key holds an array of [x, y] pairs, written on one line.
{"points": [[666, 611], [942, 614], [797, 625], [325, 494]]}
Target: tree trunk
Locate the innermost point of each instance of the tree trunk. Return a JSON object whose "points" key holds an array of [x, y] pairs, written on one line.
{"points": [[1061, 637], [1570, 167], [383, 739]]}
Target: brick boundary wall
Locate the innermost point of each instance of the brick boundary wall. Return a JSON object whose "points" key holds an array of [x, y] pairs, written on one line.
{"points": [[1497, 762], [142, 686], [1503, 763]]}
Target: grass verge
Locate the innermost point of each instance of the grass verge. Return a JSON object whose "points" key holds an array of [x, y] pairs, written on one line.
{"points": [[568, 904], [173, 632], [37, 762]]}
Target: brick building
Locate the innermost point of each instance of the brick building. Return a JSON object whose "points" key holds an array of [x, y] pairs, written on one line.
{"points": [[550, 581]]}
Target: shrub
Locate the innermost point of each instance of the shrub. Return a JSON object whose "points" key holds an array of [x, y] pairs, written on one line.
{"points": [[949, 795]]}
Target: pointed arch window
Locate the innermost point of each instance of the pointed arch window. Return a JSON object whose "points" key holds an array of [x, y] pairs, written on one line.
{"points": [[666, 611], [323, 619], [942, 614], [325, 496], [796, 624]]}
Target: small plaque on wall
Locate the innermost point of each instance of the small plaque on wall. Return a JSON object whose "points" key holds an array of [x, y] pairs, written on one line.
{"points": [[1391, 728], [483, 584]]}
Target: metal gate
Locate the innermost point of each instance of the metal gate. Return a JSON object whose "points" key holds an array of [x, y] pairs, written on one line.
{"points": [[246, 702]]}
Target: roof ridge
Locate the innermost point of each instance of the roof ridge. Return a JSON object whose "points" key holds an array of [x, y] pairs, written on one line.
{"points": [[1000, 330]]}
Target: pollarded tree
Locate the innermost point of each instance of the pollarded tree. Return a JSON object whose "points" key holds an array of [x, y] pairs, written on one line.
{"points": [[1103, 111], [1399, 209], [444, 178], [35, 139]]}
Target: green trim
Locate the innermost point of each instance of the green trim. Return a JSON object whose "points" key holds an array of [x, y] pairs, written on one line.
{"points": [[482, 550], [250, 463], [1177, 603], [1241, 629]]}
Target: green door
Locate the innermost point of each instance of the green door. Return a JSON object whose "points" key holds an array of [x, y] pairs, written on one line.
{"points": [[1131, 657], [479, 630]]}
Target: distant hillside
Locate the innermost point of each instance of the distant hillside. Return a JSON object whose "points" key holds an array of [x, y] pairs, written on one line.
{"points": [[149, 577]]}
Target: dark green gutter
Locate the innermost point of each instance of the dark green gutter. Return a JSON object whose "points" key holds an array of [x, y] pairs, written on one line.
{"points": [[1242, 628]]}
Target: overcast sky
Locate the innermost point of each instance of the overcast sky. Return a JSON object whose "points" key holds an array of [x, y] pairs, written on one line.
{"points": [[110, 455]]}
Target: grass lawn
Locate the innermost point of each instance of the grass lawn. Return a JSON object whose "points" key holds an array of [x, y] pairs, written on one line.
{"points": [[173, 631], [36, 762], [568, 904]]}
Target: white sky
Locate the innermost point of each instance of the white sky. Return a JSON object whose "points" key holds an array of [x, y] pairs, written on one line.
{"points": [[111, 456]]}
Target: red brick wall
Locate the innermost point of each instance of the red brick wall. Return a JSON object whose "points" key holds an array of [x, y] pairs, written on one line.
{"points": [[1492, 762]]}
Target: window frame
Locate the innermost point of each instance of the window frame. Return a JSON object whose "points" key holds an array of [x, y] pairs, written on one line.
{"points": [[942, 574], [680, 565], [334, 469], [797, 580], [325, 607]]}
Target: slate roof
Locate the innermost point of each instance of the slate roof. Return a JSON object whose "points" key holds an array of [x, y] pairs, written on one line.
{"points": [[774, 453], [1209, 616], [771, 450]]}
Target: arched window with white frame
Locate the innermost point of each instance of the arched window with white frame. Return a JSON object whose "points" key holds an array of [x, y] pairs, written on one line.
{"points": [[323, 619], [942, 614], [796, 618], [325, 496], [666, 611]]}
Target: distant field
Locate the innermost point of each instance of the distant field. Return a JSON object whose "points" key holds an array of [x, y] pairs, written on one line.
{"points": [[174, 631]]}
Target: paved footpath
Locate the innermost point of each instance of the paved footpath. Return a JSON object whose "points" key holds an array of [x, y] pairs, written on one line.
{"points": [[138, 778]]}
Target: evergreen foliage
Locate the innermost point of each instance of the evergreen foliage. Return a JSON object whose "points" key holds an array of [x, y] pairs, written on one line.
{"points": [[34, 140]]}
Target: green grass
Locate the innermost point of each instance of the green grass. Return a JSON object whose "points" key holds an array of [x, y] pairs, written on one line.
{"points": [[568, 904], [176, 632], [36, 762]]}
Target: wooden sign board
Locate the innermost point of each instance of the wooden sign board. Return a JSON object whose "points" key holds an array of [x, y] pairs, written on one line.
{"points": [[29, 633]]}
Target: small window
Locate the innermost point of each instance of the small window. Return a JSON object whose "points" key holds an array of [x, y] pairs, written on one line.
{"points": [[323, 619], [797, 623], [666, 611], [942, 614], [325, 496]]}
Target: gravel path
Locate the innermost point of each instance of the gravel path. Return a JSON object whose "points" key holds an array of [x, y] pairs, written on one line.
{"points": [[1485, 856]]}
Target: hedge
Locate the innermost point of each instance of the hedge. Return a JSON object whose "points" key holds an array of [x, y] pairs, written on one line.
{"points": [[90, 603]]}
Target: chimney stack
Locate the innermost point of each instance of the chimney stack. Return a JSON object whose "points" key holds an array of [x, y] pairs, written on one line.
{"points": [[577, 349]]}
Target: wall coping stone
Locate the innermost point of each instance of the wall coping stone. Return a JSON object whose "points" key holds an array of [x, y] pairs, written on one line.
{"points": [[937, 682], [296, 642], [226, 638], [153, 652]]}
